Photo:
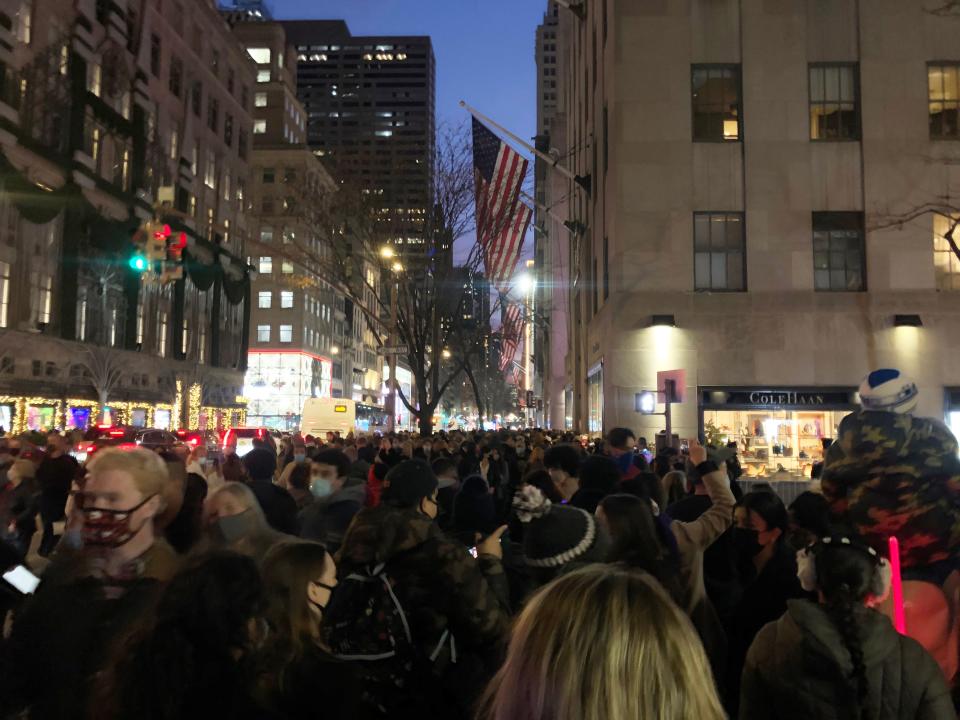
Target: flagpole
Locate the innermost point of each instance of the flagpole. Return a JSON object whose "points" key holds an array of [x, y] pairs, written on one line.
{"points": [[582, 180], [572, 226]]}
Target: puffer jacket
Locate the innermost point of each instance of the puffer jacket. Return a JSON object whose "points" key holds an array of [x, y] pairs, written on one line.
{"points": [[798, 668]]}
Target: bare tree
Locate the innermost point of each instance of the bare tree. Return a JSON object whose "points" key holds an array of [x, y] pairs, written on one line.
{"points": [[104, 368], [425, 290]]}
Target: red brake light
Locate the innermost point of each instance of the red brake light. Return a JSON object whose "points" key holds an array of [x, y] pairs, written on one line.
{"points": [[104, 427], [194, 441], [91, 449], [226, 438], [260, 433], [116, 433]]}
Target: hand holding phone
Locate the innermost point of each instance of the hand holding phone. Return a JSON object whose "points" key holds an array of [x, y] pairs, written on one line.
{"points": [[22, 579]]}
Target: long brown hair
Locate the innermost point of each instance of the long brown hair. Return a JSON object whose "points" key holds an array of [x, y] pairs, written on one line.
{"points": [[600, 643], [288, 568]]}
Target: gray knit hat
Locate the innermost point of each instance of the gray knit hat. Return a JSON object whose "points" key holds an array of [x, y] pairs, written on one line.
{"points": [[554, 535]]}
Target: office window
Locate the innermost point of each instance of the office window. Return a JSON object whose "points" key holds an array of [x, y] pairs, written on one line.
{"points": [[259, 127], [265, 265], [286, 268], [215, 61], [213, 111], [286, 299], [260, 99], [263, 76], [4, 292], [718, 245], [263, 333], [196, 97], [269, 175], [228, 129], [210, 170], [834, 102], [242, 144], [716, 102], [155, 54], [231, 76], [264, 299], [176, 76], [174, 144], [838, 252], [943, 83], [606, 267], [266, 234], [260, 55], [162, 333], [286, 333], [946, 265]]}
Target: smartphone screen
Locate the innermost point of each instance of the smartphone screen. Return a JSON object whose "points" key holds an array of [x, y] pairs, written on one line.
{"points": [[473, 551], [22, 579]]}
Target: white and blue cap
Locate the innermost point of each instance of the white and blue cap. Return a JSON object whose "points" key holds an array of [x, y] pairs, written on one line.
{"points": [[889, 390]]}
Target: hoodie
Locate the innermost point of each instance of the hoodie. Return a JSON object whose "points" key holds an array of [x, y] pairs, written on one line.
{"points": [[799, 667], [327, 519]]}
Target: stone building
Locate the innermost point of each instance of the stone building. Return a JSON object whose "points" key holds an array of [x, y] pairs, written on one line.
{"points": [[770, 187]]}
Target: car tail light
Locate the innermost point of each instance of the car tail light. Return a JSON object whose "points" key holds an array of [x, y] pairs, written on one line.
{"points": [[104, 427], [260, 433], [194, 441], [116, 433], [226, 437]]}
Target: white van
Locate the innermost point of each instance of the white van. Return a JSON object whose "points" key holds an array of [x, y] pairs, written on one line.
{"points": [[323, 415]]}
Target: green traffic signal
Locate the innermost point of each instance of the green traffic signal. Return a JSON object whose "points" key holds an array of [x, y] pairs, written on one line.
{"points": [[138, 263]]}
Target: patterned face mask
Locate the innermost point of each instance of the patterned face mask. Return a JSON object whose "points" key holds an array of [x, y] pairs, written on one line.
{"points": [[104, 527]]}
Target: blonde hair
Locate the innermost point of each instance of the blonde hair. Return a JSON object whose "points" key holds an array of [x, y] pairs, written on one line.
{"points": [[600, 643], [148, 470]]}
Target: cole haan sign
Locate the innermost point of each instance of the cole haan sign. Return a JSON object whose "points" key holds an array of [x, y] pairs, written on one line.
{"points": [[779, 398], [785, 397]]}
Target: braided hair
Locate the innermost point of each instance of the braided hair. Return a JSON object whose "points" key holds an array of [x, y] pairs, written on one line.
{"points": [[845, 574]]}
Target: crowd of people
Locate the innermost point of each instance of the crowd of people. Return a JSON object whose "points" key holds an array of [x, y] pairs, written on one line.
{"points": [[488, 575]]}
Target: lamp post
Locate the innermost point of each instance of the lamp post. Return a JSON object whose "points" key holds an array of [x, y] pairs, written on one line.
{"points": [[396, 268]]}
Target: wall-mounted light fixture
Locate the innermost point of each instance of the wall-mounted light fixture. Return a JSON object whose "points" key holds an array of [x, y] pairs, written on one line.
{"points": [[663, 321], [907, 321]]}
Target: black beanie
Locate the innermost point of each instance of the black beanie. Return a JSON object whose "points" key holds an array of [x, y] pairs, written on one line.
{"points": [[555, 535], [408, 483], [474, 510]]}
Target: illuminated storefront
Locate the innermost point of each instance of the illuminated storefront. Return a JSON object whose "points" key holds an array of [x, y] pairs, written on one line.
{"points": [[775, 428], [405, 420], [595, 399], [278, 383]]}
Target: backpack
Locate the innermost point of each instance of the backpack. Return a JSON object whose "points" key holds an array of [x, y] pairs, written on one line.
{"points": [[366, 624]]}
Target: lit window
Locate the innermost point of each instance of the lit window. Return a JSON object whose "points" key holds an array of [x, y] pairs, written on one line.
{"points": [[210, 170], [260, 55], [716, 102], [260, 99], [266, 265], [95, 79], [259, 127], [162, 334], [286, 299], [263, 333], [266, 234], [943, 94], [263, 76], [4, 292], [834, 102], [264, 299], [946, 264], [286, 268], [286, 333]]}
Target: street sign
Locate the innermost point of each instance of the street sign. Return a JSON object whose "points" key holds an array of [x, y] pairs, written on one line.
{"points": [[394, 350]]}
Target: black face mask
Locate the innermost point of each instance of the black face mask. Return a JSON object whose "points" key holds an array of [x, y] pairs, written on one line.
{"points": [[746, 542]]}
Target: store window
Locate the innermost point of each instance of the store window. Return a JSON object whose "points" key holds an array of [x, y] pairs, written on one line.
{"points": [[834, 102], [838, 252], [716, 103], [943, 95], [776, 430], [946, 264], [595, 400], [718, 243]]}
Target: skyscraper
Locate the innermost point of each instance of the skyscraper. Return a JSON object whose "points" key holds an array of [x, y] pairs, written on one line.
{"points": [[370, 104]]}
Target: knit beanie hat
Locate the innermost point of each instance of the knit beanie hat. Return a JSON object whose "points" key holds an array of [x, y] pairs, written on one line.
{"points": [[408, 483], [555, 535], [474, 510], [888, 389]]}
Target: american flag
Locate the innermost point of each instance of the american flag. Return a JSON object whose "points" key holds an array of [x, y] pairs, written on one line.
{"points": [[511, 330], [502, 219]]}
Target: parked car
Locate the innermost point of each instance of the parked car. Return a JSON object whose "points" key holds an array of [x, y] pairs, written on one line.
{"points": [[101, 436], [200, 438], [157, 440]]}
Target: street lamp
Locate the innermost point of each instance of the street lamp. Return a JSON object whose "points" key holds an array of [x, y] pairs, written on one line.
{"points": [[386, 252], [397, 267], [446, 354], [525, 283], [334, 350]]}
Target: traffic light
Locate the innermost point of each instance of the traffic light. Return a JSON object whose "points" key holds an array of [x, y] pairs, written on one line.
{"points": [[139, 263], [157, 234]]}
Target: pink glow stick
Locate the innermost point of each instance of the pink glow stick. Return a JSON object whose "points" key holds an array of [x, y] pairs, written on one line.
{"points": [[896, 583]]}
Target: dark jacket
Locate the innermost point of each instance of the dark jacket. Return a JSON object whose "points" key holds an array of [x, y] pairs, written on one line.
{"points": [[441, 588], [278, 505], [184, 530], [796, 668], [319, 685], [327, 519], [54, 476]]}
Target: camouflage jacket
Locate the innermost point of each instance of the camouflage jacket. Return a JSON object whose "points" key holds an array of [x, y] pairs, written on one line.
{"points": [[891, 474], [439, 585]]}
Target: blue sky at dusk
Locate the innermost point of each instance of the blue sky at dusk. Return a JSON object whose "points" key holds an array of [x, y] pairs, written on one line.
{"points": [[484, 50]]}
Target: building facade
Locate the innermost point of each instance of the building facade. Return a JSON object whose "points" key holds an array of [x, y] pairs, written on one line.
{"points": [[767, 187], [108, 120], [370, 104], [298, 329]]}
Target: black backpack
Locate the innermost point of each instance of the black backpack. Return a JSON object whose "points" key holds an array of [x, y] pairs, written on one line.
{"points": [[365, 623]]}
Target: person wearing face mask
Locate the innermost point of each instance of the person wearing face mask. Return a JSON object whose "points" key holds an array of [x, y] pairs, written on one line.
{"points": [[54, 475], [455, 606], [563, 464], [767, 568], [233, 520], [338, 497], [299, 578]]}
